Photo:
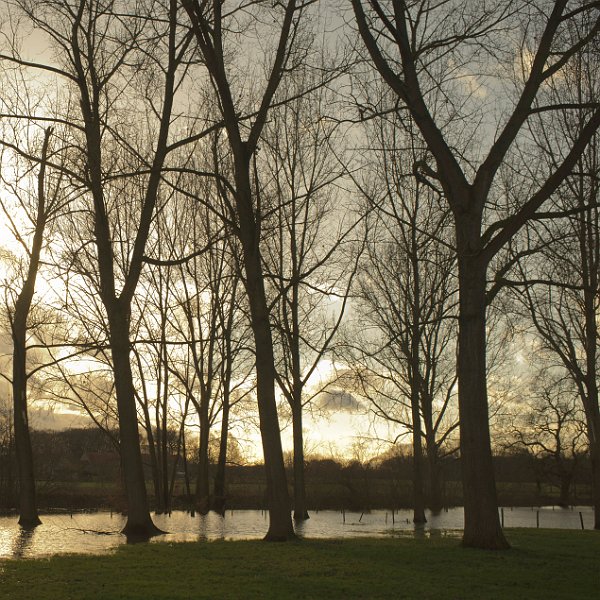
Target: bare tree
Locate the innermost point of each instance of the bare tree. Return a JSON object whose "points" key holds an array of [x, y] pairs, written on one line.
{"points": [[551, 429], [424, 50], [558, 255], [101, 51], [214, 24], [311, 250], [408, 298], [40, 208]]}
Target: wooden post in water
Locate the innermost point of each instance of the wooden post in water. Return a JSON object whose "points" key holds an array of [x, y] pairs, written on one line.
{"points": [[581, 519], [502, 516], [537, 519]]}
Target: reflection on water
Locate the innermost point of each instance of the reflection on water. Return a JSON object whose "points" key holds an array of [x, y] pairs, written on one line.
{"points": [[23, 542], [98, 533]]}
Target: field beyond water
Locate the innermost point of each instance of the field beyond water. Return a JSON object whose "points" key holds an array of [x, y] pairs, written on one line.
{"points": [[544, 564]]}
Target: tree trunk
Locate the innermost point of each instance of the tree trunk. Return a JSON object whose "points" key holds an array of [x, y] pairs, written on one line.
{"points": [[595, 461], [202, 485], [300, 508], [28, 515], [280, 521], [565, 490], [153, 460], [482, 524], [218, 503], [435, 485], [186, 471], [591, 401], [418, 497], [415, 382], [139, 523]]}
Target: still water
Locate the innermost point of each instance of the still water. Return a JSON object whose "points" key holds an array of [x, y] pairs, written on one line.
{"points": [[98, 533]]}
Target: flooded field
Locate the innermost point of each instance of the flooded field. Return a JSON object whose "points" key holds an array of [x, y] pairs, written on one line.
{"points": [[99, 532]]}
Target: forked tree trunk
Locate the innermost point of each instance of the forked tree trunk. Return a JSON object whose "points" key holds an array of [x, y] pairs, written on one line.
{"points": [[482, 524], [248, 223], [300, 508], [280, 520], [139, 523], [28, 515]]}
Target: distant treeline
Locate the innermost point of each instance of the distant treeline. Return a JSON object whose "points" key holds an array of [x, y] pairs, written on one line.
{"points": [[80, 468]]}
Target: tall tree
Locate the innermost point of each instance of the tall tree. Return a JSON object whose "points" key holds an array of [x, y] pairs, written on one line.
{"points": [[558, 274], [407, 294], [214, 25], [424, 49], [40, 208], [103, 50], [310, 255]]}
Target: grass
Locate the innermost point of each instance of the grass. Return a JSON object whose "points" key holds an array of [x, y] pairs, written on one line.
{"points": [[544, 564]]}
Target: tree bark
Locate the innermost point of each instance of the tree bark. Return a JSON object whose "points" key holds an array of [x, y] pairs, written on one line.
{"points": [[595, 460], [219, 497], [28, 515], [202, 484], [482, 524], [156, 480], [435, 485], [593, 431], [280, 523], [300, 508], [415, 381], [591, 401], [418, 496], [218, 501], [139, 523]]}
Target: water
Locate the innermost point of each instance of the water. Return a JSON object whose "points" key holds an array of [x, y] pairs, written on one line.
{"points": [[99, 533]]}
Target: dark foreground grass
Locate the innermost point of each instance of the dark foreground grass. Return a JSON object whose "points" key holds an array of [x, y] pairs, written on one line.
{"points": [[542, 564]]}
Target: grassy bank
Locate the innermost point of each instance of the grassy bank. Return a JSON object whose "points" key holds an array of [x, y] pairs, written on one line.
{"points": [[544, 564]]}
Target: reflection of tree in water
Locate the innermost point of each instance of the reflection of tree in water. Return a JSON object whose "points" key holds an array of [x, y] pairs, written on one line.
{"points": [[23, 541]]}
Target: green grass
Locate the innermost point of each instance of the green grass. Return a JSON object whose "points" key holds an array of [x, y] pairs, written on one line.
{"points": [[544, 564]]}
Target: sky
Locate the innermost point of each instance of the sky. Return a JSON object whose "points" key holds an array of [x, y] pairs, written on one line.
{"points": [[340, 428]]}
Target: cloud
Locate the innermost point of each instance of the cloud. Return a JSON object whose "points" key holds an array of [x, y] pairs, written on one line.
{"points": [[338, 401], [45, 419]]}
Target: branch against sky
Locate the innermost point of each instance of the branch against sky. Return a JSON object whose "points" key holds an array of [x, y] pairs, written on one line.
{"points": [[457, 53]]}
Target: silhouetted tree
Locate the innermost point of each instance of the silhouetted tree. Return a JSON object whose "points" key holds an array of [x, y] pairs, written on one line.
{"points": [[311, 250], [99, 54], [425, 50], [214, 27], [40, 208]]}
